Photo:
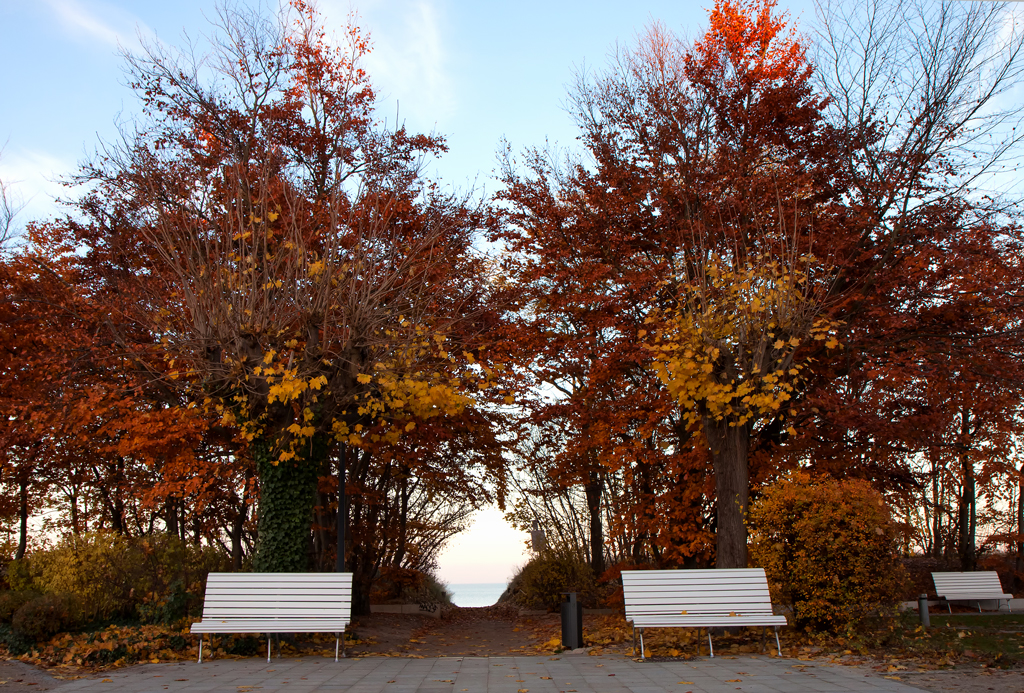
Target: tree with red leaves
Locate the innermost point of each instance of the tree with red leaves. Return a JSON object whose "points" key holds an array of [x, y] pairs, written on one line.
{"points": [[712, 165]]}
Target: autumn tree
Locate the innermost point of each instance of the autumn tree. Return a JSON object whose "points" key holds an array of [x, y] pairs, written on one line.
{"points": [[929, 293], [309, 279], [87, 435], [712, 179]]}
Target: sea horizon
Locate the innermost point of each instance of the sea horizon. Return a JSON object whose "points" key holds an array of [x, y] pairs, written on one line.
{"points": [[476, 593]]}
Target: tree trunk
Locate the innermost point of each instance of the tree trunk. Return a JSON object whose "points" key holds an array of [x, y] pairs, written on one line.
{"points": [[729, 447], [593, 489], [238, 527], [936, 514], [967, 519], [23, 519], [287, 495], [75, 518], [342, 519], [403, 516], [1020, 531]]}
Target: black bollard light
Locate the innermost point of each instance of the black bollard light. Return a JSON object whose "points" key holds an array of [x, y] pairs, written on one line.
{"points": [[922, 610]]}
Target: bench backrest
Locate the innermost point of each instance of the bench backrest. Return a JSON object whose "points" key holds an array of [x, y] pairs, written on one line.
{"points": [[698, 592], [981, 582], [285, 596]]}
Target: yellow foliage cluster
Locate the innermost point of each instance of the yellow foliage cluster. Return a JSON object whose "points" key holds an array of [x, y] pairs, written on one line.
{"points": [[388, 401], [728, 350], [397, 402]]}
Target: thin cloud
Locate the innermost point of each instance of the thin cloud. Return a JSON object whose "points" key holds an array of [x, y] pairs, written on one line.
{"points": [[32, 177], [408, 62], [99, 23]]}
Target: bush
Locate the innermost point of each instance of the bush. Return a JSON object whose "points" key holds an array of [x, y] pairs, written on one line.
{"points": [[12, 600], [407, 586], [158, 577], [168, 608], [829, 549], [16, 644], [539, 583], [45, 616], [244, 646]]}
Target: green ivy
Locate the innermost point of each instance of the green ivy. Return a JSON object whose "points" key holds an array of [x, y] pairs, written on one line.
{"points": [[287, 497]]}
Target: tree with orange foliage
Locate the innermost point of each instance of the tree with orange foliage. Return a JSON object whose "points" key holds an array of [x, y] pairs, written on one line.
{"points": [[86, 432], [308, 282]]}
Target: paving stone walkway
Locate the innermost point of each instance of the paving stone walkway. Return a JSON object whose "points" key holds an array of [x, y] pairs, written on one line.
{"points": [[556, 674]]}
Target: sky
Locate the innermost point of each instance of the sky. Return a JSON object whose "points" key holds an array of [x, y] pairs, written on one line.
{"points": [[477, 72]]}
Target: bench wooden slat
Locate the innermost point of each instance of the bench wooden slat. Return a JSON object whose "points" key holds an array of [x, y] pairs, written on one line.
{"points": [[275, 627], [261, 609], [714, 621]]}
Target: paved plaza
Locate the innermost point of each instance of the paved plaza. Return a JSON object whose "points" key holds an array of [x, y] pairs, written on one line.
{"points": [[554, 674]]}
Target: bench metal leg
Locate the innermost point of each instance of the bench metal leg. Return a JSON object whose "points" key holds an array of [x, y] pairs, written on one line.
{"points": [[777, 645], [268, 648], [979, 607], [200, 648], [642, 658], [711, 647], [336, 640]]}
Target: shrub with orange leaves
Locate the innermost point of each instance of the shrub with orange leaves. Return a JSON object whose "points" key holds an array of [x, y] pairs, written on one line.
{"points": [[829, 548]]}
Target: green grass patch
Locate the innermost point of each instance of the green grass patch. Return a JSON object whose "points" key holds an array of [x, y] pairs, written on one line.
{"points": [[979, 621], [993, 639]]}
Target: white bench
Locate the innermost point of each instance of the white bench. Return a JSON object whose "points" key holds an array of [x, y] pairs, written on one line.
{"points": [[276, 603], [980, 586], [698, 599]]}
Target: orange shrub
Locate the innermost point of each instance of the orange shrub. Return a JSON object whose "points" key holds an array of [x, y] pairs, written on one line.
{"points": [[829, 549]]}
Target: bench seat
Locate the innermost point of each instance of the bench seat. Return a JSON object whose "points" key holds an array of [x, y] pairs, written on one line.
{"points": [[979, 586], [698, 599], [276, 603]]}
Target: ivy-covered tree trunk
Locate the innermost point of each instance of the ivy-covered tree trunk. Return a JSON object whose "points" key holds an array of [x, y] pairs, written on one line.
{"points": [[287, 497], [730, 445]]}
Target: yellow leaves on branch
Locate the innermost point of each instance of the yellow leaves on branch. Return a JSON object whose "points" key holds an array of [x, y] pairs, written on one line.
{"points": [[729, 350], [416, 382], [419, 395]]}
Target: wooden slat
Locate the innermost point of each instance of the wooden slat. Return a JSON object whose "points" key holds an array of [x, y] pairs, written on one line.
{"points": [[282, 626], [719, 621]]}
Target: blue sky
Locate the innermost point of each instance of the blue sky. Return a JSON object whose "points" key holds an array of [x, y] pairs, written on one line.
{"points": [[475, 71]]}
